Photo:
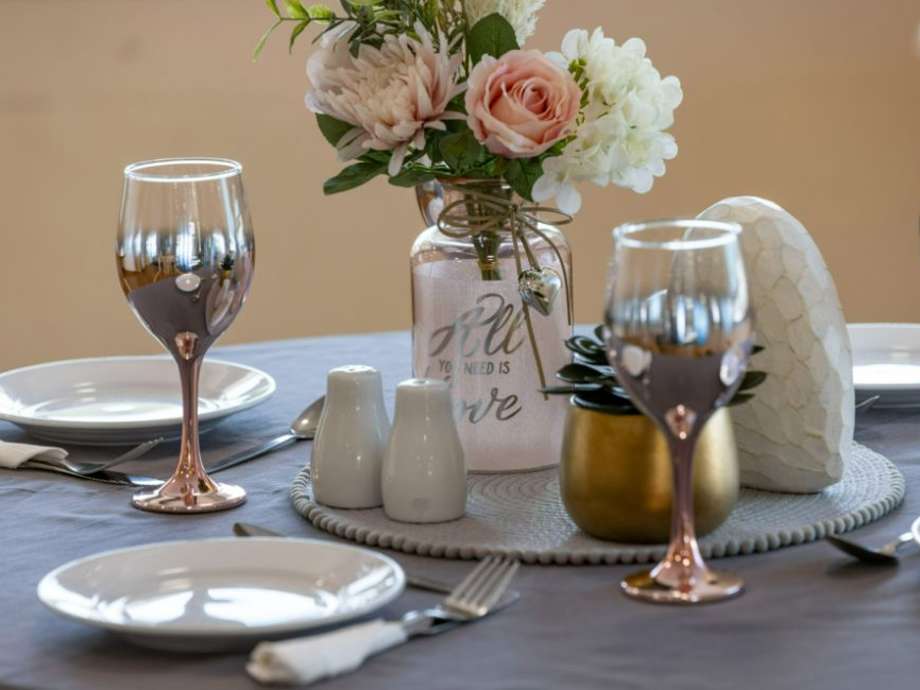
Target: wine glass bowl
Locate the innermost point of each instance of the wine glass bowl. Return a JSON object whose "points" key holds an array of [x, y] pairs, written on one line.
{"points": [[185, 257], [679, 337]]}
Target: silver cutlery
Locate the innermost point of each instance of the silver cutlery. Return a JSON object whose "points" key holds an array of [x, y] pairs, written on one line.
{"points": [[864, 405], [84, 468], [245, 529], [303, 428], [104, 476], [884, 555], [482, 592]]}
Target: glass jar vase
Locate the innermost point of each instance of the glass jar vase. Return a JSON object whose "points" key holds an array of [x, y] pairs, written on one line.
{"points": [[470, 328]]}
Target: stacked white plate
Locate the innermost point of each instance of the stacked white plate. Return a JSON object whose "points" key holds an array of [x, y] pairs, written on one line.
{"points": [[886, 363], [122, 400]]}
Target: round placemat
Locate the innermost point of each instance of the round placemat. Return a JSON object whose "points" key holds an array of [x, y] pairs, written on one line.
{"points": [[521, 515]]}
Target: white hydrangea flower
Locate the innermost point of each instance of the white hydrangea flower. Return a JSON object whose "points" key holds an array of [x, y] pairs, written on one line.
{"points": [[521, 14], [621, 137]]}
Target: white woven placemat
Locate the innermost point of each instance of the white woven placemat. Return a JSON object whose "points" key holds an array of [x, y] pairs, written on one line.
{"points": [[521, 515]]}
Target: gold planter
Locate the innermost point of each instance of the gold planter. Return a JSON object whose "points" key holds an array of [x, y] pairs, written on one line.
{"points": [[616, 475]]}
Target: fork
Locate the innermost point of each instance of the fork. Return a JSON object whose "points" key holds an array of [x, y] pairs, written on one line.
{"points": [[87, 468], [306, 660]]}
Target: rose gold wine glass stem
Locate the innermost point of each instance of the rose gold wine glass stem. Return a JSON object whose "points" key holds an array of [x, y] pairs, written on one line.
{"points": [[190, 468], [682, 564], [189, 489]]}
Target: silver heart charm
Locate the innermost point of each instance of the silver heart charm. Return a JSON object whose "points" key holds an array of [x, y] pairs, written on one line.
{"points": [[539, 287]]}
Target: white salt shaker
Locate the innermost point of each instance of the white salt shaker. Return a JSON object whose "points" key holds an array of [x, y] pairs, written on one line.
{"points": [[424, 473], [350, 440]]}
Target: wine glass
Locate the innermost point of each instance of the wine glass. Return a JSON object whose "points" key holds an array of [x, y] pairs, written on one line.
{"points": [[185, 256], [679, 338]]}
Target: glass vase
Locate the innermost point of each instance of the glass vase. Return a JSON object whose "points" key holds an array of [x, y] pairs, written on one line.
{"points": [[470, 328]]}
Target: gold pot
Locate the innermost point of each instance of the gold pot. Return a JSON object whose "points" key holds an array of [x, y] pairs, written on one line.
{"points": [[616, 475]]}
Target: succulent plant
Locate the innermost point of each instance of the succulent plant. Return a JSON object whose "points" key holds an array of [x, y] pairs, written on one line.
{"points": [[590, 378]]}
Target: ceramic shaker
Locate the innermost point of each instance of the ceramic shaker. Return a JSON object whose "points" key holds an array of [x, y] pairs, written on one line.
{"points": [[424, 472], [350, 440]]}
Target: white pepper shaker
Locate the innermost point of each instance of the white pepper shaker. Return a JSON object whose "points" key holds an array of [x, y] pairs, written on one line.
{"points": [[350, 440], [424, 472]]}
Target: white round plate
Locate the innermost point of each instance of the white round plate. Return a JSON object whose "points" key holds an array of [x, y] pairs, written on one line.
{"points": [[122, 400], [215, 594], [915, 528], [886, 363]]}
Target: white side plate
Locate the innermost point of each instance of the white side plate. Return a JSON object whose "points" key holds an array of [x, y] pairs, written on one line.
{"points": [[886, 362], [122, 400], [218, 594]]}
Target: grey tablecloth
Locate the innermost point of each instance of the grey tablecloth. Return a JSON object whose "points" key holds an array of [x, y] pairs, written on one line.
{"points": [[808, 620]]}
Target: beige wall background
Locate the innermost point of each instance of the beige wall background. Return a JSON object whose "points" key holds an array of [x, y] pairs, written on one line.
{"points": [[812, 103]]}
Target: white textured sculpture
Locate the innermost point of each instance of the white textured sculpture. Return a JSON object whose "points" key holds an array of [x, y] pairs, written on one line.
{"points": [[796, 433]]}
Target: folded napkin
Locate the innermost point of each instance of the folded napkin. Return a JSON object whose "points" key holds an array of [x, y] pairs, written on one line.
{"points": [[14, 455], [306, 660]]}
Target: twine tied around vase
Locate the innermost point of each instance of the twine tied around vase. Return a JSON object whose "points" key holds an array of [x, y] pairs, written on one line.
{"points": [[500, 214]]}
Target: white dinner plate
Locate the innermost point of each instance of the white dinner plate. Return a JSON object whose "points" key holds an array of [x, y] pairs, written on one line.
{"points": [[122, 400], [214, 594], [886, 363]]}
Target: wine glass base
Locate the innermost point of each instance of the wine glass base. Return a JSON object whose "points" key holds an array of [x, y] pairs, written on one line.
{"points": [[167, 499], [717, 587]]}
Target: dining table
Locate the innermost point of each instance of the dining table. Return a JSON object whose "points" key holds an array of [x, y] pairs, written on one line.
{"points": [[810, 617]]}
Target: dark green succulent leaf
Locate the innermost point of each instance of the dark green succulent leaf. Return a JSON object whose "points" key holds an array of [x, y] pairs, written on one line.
{"points": [[573, 388], [740, 399], [757, 349], [599, 333], [752, 379], [587, 349], [579, 373], [604, 401]]}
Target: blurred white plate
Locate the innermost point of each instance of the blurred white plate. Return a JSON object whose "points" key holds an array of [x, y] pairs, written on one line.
{"points": [[122, 400], [886, 363], [215, 594]]}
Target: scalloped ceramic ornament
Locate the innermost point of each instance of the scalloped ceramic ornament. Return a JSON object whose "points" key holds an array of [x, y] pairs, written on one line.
{"points": [[796, 434]]}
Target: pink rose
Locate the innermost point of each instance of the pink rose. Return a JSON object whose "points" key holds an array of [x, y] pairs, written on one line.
{"points": [[521, 104]]}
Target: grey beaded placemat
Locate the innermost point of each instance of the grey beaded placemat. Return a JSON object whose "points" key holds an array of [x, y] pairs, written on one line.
{"points": [[521, 515]]}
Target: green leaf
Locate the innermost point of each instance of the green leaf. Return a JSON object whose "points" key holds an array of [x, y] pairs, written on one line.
{"points": [[298, 29], [264, 38], [295, 9], [757, 348], [522, 174], [461, 151], [410, 178], [320, 12], [600, 333], [491, 35], [332, 129], [587, 349], [353, 176], [273, 6]]}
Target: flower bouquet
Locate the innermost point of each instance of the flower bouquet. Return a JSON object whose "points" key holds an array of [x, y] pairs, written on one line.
{"points": [[441, 96]]}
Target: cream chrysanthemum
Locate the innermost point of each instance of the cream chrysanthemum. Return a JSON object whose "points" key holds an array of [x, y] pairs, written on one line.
{"points": [[521, 14], [390, 94], [621, 137]]}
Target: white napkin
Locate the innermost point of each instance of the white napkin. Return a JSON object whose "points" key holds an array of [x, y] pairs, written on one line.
{"points": [[305, 660], [14, 455]]}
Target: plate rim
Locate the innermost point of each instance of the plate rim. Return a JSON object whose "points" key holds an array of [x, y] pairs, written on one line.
{"points": [[165, 631], [915, 529], [876, 388], [40, 423]]}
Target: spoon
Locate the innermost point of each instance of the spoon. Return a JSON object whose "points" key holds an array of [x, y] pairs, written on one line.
{"points": [[885, 555], [303, 428]]}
